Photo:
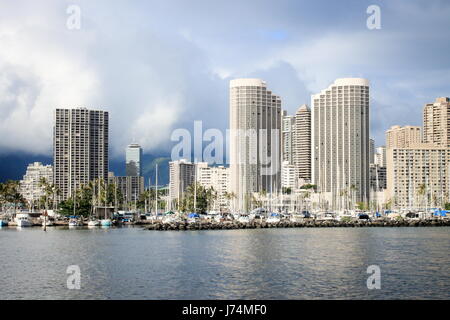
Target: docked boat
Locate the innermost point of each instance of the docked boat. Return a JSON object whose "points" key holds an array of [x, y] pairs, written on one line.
{"points": [[23, 220], [244, 219], [106, 222], [93, 223], [193, 217], [3, 223], [273, 218], [74, 222]]}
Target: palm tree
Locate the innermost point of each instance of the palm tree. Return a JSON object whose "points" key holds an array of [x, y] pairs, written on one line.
{"points": [[422, 191]]}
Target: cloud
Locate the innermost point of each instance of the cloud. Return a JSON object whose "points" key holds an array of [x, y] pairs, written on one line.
{"points": [[157, 66]]}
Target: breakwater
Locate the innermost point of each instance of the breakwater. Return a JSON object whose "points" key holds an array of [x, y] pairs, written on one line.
{"points": [[230, 225]]}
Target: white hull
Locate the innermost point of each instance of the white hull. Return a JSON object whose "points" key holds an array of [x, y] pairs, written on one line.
{"points": [[23, 223], [93, 223]]}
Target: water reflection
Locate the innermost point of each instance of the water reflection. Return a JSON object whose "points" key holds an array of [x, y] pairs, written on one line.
{"points": [[131, 263]]}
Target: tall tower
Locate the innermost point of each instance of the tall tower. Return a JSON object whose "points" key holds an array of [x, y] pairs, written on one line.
{"points": [[340, 139], [436, 126], [80, 148], [255, 140], [133, 160], [302, 142]]}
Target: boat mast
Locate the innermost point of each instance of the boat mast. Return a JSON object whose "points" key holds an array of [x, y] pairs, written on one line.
{"points": [[156, 190]]}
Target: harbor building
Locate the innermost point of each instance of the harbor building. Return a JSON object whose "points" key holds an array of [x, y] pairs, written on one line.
{"points": [[340, 140], [133, 158], [436, 122], [255, 140], [418, 176], [80, 148], [403, 137], [30, 187]]}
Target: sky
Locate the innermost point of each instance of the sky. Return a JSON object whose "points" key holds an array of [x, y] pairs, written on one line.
{"points": [[159, 65]]}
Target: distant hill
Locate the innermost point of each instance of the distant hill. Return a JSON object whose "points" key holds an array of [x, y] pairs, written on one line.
{"points": [[13, 166]]}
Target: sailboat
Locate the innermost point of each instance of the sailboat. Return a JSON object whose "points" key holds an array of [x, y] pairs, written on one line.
{"points": [[93, 222], [106, 222]]}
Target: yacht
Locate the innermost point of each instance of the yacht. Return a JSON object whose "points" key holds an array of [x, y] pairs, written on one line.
{"points": [[106, 222], [273, 218], [93, 223], [244, 219], [74, 222], [23, 220]]}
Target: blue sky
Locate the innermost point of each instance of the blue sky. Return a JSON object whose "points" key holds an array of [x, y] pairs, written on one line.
{"points": [[160, 65]]}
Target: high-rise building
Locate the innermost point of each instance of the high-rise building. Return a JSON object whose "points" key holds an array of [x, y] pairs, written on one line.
{"points": [[371, 151], [255, 140], [80, 148], [340, 139], [302, 143], [181, 175], [287, 138], [131, 187], [289, 176], [30, 186], [217, 178], [436, 122], [133, 160], [380, 156], [403, 137], [377, 177], [418, 176]]}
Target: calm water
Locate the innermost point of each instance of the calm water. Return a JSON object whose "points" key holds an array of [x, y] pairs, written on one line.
{"points": [[131, 263]]}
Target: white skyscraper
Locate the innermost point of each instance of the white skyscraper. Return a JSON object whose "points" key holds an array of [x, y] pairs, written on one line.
{"points": [[340, 139], [255, 140]]}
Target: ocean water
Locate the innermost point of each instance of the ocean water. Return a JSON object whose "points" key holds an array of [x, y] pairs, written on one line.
{"points": [[133, 263]]}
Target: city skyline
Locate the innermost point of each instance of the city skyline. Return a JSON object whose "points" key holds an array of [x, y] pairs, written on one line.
{"points": [[295, 65]]}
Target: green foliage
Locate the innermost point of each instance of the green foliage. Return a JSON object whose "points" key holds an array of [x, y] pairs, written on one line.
{"points": [[205, 198], [346, 219], [309, 186], [447, 206]]}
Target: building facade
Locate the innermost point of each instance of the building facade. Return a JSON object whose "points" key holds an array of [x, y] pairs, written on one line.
{"points": [[377, 175], [340, 138], [380, 156], [131, 187], [302, 143], [30, 186], [436, 125], [80, 148], [418, 176], [403, 137], [255, 140], [133, 158], [181, 176], [217, 178]]}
